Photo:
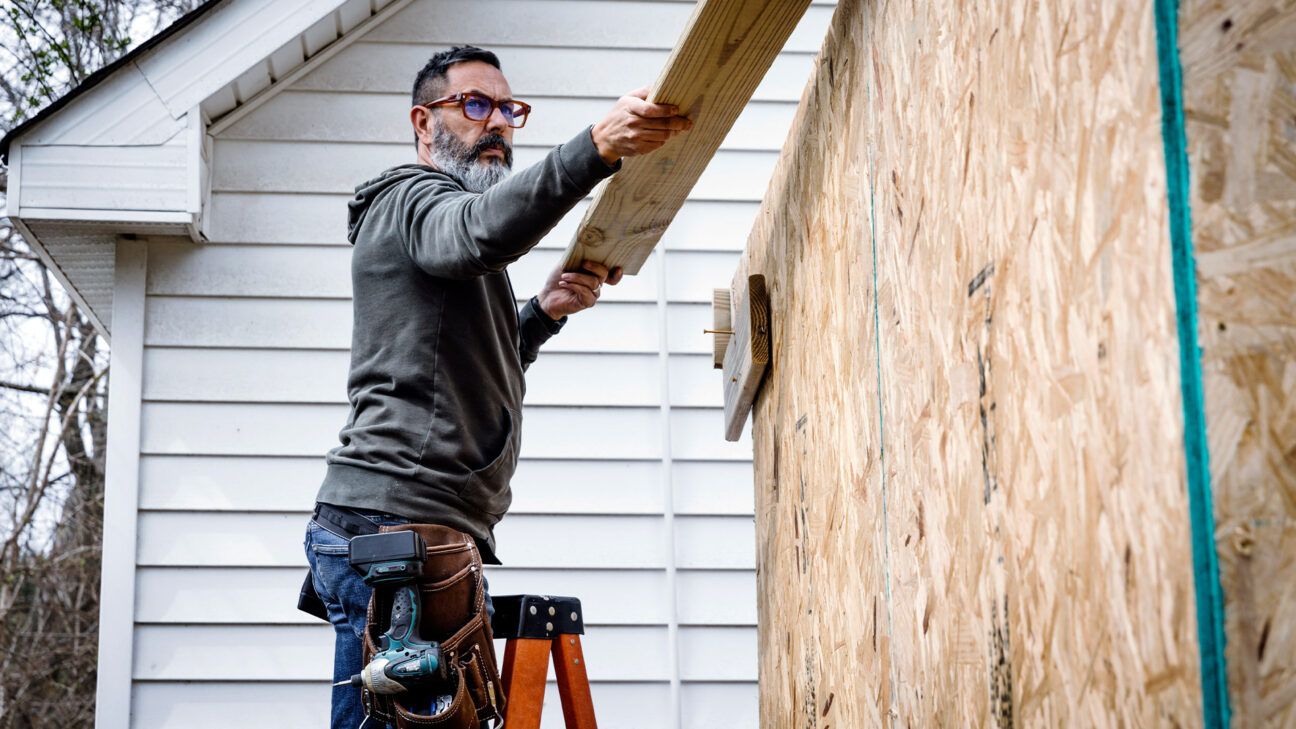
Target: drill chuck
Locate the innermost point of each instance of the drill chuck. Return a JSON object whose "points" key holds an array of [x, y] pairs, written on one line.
{"points": [[393, 674], [374, 677]]}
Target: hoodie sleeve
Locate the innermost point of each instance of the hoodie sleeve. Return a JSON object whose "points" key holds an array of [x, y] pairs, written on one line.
{"points": [[451, 233], [534, 329]]}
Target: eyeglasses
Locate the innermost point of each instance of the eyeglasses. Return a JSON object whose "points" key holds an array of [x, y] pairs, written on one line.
{"points": [[479, 107]]}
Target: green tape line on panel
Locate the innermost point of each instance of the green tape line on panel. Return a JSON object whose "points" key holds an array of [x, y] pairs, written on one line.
{"points": [[1206, 580]]}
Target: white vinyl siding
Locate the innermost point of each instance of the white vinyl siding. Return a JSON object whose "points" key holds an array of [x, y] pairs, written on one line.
{"points": [[626, 494]]}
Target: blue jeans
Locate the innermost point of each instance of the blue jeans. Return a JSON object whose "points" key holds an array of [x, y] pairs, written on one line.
{"points": [[347, 598]]}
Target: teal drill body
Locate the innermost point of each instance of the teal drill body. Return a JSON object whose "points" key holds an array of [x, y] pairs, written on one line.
{"points": [[404, 661]]}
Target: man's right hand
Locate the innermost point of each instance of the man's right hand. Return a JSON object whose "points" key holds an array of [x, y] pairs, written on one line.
{"points": [[634, 126]]}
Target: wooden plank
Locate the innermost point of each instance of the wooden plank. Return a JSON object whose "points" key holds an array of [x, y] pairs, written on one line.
{"points": [[692, 384], [324, 167], [305, 652], [183, 539], [713, 542], [540, 486], [267, 595], [332, 116], [326, 324], [534, 72], [253, 429], [695, 436], [712, 487], [692, 275], [715, 597], [578, 23], [566, 541], [747, 356], [708, 705], [727, 654], [686, 325], [320, 219], [203, 374], [221, 704], [715, 68], [1239, 89], [721, 325]]}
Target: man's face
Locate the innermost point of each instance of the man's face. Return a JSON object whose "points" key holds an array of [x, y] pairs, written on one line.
{"points": [[487, 143]]}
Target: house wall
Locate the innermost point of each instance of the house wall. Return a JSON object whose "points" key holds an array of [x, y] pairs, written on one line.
{"points": [[626, 495]]}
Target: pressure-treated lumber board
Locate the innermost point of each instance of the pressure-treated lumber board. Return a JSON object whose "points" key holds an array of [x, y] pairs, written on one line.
{"points": [[712, 73], [722, 324], [747, 356], [1239, 83], [969, 462]]}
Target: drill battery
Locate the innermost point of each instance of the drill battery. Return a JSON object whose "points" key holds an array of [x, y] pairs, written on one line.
{"points": [[388, 557]]}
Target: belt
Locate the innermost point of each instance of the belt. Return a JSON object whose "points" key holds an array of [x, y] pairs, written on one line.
{"points": [[334, 518]]}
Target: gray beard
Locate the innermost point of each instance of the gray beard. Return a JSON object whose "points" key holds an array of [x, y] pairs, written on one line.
{"points": [[453, 157]]}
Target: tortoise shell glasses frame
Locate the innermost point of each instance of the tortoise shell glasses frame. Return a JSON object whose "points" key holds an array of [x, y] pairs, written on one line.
{"points": [[479, 107]]}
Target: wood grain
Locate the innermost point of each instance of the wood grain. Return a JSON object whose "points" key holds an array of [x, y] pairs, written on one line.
{"points": [[526, 665], [712, 73], [573, 683], [747, 356], [721, 324], [1239, 82], [970, 490]]}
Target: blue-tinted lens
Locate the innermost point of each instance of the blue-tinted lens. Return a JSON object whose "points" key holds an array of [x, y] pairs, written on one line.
{"points": [[476, 108]]}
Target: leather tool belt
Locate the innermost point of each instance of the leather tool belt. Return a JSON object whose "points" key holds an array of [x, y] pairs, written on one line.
{"points": [[453, 613]]}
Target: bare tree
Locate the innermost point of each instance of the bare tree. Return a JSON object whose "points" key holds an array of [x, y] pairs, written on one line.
{"points": [[53, 392]]}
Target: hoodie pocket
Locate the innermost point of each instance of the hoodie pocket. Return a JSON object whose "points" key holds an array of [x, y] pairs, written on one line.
{"points": [[487, 488]]}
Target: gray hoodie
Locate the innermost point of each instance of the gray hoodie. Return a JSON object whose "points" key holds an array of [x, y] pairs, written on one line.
{"points": [[438, 345]]}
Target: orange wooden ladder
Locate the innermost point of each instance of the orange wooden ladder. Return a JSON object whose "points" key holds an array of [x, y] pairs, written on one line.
{"points": [[537, 626]]}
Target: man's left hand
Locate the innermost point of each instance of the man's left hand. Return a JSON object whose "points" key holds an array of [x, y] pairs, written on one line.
{"points": [[569, 292]]}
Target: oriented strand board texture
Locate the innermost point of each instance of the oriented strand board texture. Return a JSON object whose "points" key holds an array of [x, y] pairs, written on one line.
{"points": [[1239, 63], [969, 465]]}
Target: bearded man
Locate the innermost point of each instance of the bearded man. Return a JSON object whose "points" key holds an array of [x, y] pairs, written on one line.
{"points": [[439, 346]]}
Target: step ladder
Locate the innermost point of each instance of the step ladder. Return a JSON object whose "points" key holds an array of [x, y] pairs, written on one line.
{"points": [[537, 626]]}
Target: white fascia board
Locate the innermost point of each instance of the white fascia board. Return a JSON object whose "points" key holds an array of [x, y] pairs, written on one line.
{"points": [[187, 68], [14, 189], [149, 222], [196, 161]]}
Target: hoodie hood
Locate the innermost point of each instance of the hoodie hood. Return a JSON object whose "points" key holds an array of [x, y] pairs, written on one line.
{"points": [[369, 191]]}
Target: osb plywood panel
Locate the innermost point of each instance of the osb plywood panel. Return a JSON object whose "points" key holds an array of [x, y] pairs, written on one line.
{"points": [[1239, 65], [970, 491]]}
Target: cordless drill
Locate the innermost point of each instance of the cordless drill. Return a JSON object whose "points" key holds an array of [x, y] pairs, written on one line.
{"points": [[404, 661]]}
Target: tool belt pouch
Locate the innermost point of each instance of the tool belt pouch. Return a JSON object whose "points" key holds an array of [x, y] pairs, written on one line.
{"points": [[452, 612]]}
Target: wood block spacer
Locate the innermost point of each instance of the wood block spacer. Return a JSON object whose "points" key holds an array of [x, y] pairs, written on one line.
{"points": [[747, 354]]}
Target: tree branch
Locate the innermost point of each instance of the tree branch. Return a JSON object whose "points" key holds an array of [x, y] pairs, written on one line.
{"points": [[25, 388]]}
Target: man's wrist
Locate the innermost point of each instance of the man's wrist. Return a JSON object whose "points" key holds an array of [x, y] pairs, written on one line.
{"points": [[605, 152], [546, 317]]}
